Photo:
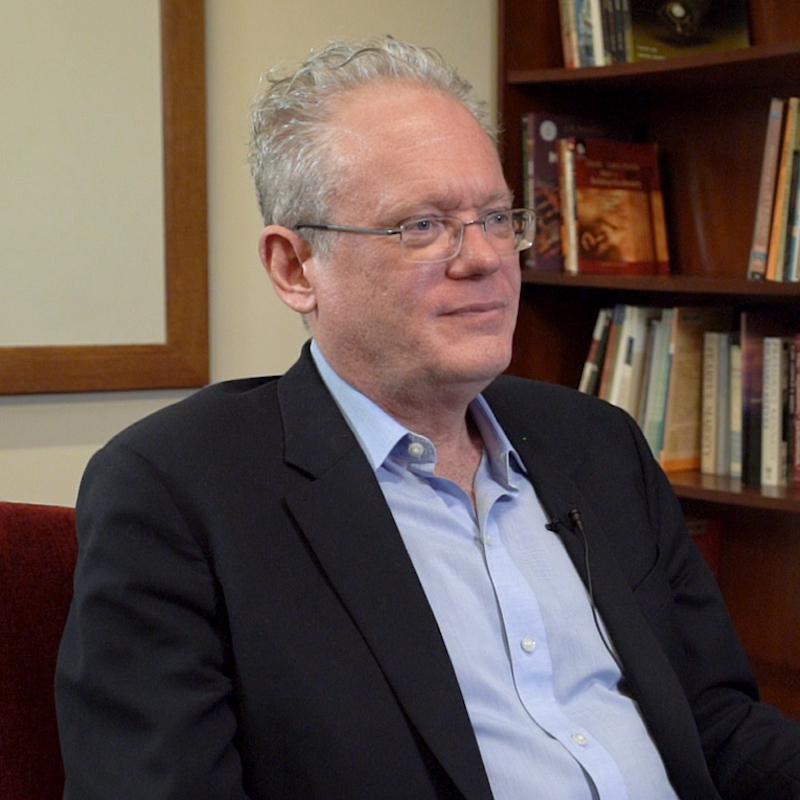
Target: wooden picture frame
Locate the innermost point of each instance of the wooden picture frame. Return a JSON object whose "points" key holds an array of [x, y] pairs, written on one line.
{"points": [[182, 361]]}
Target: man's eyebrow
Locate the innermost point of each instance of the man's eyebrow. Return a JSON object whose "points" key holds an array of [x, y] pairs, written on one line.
{"points": [[446, 202]]}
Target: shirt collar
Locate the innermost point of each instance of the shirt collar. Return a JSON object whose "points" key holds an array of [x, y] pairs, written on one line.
{"points": [[378, 433]]}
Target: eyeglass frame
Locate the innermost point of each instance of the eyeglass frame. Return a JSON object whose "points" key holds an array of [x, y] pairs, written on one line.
{"points": [[398, 231]]}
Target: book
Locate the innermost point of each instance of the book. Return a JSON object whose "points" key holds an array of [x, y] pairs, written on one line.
{"points": [[647, 365], [610, 47], [583, 33], [619, 383], [665, 30], [706, 533], [723, 404], [794, 411], [757, 267], [780, 212], [754, 325], [790, 254], [569, 41], [590, 376], [710, 404], [569, 224], [598, 40], [619, 209], [627, 28], [655, 402], [610, 361], [791, 268], [540, 134], [735, 409], [774, 400], [584, 26], [680, 448]]}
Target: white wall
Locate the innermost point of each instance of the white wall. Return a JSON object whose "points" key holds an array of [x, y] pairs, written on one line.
{"points": [[45, 441]]}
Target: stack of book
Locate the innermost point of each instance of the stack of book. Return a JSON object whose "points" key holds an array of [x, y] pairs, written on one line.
{"points": [[597, 196], [775, 252], [597, 33], [709, 392]]}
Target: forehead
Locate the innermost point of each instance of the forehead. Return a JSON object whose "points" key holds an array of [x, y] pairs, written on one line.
{"points": [[405, 143]]}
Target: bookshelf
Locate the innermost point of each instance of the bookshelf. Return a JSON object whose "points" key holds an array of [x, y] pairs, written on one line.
{"points": [[708, 113]]}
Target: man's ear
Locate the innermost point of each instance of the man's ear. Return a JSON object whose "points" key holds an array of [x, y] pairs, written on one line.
{"points": [[283, 254]]}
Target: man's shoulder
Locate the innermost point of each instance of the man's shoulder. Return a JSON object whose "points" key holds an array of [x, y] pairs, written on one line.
{"points": [[219, 409], [551, 398]]}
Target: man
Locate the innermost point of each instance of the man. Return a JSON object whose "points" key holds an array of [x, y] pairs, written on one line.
{"points": [[390, 573]]}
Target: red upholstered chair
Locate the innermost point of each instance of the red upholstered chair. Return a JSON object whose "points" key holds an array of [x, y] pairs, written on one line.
{"points": [[37, 557]]}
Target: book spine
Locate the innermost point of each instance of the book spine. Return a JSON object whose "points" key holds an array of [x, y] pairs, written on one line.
{"points": [[627, 31], [569, 223], [659, 222], [792, 264], [791, 214], [710, 404], [757, 268], [658, 384], [598, 45], [682, 421], [723, 406], [735, 411], [594, 358], [569, 47], [614, 343], [647, 365], [771, 412], [752, 344], [583, 33]]}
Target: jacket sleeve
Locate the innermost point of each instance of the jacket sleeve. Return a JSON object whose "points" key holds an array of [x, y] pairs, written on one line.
{"points": [[752, 751], [144, 675]]}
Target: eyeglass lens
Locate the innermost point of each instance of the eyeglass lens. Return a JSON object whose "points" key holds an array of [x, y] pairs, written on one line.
{"points": [[439, 238]]}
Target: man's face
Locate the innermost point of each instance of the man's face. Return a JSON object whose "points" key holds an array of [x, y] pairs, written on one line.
{"points": [[407, 332]]}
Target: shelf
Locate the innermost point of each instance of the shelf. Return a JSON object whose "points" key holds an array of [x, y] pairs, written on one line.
{"points": [[738, 290], [751, 66], [730, 491]]}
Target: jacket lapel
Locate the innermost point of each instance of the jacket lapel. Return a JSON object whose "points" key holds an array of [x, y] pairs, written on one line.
{"points": [[346, 522]]}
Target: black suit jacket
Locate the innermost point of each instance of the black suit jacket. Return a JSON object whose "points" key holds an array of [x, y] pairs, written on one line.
{"points": [[248, 624]]}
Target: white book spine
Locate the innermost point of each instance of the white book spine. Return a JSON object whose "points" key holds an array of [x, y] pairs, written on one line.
{"points": [[710, 405], [771, 413]]}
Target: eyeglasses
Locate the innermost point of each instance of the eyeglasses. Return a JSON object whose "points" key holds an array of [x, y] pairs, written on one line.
{"points": [[429, 239]]}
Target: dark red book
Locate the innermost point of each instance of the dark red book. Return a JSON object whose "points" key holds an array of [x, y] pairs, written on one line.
{"points": [[619, 208]]}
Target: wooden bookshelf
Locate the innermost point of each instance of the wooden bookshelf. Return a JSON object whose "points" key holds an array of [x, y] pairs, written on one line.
{"points": [[708, 114]]}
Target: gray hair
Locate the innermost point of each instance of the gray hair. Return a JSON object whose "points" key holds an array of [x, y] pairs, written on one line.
{"points": [[289, 150]]}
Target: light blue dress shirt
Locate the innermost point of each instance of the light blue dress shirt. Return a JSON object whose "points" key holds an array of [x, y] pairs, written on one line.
{"points": [[540, 687]]}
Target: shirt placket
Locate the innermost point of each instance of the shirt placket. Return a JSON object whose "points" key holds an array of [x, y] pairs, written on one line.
{"points": [[531, 662]]}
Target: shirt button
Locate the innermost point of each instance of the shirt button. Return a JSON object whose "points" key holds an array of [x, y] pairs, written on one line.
{"points": [[528, 644], [416, 449], [580, 739], [487, 538]]}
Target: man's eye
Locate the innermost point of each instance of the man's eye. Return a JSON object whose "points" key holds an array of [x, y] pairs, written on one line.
{"points": [[420, 225], [499, 218]]}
